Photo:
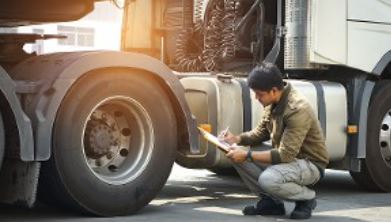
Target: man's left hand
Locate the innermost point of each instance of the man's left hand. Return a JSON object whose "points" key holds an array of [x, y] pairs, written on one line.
{"points": [[237, 155]]}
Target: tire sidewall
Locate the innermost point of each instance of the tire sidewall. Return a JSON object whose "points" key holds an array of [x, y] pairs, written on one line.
{"points": [[2, 141], [380, 105], [83, 186]]}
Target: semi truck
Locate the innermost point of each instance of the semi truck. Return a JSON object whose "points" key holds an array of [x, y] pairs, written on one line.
{"points": [[99, 131]]}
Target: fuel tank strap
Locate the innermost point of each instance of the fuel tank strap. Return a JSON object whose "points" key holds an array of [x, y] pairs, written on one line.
{"points": [[321, 106], [246, 98]]}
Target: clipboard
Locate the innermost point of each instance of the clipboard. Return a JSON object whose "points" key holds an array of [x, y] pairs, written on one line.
{"points": [[222, 146]]}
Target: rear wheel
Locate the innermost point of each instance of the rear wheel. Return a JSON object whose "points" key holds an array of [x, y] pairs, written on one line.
{"points": [[114, 145], [377, 168], [363, 178]]}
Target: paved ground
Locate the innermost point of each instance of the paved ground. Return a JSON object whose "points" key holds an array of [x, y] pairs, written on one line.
{"points": [[199, 195]]}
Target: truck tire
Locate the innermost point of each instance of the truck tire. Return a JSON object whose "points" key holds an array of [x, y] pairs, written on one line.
{"points": [[114, 144], [2, 141], [378, 151], [363, 179]]}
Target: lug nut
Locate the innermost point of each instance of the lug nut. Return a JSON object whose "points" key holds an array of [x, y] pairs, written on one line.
{"points": [[115, 143], [109, 155], [94, 116], [113, 128]]}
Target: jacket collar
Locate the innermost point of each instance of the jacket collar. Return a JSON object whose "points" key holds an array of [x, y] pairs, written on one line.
{"points": [[278, 109]]}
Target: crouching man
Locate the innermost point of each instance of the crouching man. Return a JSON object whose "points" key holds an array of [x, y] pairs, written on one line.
{"points": [[298, 156]]}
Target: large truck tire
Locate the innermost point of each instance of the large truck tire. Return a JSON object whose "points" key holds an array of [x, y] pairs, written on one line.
{"points": [[114, 144], [363, 179], [2, 141], [377, 167]]}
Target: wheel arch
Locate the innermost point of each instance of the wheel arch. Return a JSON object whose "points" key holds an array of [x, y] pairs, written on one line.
{"points": [[383, 65], [71, 67]]}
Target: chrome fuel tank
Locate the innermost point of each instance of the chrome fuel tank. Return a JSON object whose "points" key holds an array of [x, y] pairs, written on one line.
{"points": [[329, 102], [217, 102]]}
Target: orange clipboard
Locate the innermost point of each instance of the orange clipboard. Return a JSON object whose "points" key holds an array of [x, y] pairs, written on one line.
{"points": [[223, 146]]}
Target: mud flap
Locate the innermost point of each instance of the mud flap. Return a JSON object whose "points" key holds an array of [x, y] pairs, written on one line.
{"points": [[18, 182]]}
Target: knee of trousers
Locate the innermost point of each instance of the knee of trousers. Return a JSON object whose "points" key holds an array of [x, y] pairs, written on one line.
{"points": [[270, 180]]}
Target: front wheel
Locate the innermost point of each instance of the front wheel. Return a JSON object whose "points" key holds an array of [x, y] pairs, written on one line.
{"points": [[377, 168], [114, 144], [2, 141]]}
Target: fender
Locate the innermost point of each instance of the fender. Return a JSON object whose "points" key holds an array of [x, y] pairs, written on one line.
{"points": [[382, 64], [361, 101], [20, 119], [64, 70]]}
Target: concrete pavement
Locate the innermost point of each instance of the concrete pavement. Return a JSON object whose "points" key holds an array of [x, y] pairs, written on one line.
{"points": [[200, 195]]}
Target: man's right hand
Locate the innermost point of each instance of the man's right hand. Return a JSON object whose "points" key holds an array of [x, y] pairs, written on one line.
{"points": [[228, 137]]}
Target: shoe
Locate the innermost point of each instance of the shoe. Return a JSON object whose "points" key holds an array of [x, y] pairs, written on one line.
{"points": [[266, 206], [303, 209]]}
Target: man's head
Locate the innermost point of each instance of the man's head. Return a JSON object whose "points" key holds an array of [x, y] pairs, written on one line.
{"points": [[266, 82]]}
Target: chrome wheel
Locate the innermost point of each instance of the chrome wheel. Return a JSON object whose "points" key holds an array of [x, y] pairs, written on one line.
{"points": [[385, 139], [118, 140]]}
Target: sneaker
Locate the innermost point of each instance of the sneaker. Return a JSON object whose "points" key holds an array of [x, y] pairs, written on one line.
{"points": [[266, 206], [303, 209]]}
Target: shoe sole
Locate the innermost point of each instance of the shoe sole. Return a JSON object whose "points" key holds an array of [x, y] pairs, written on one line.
{"points": [[263, 213], [273, 213]]}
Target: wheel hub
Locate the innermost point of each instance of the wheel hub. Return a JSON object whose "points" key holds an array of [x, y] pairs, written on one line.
{"points": [[100, 139]]}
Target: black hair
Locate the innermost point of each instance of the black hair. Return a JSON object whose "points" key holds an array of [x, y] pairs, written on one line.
{"points": [[265, 77]]}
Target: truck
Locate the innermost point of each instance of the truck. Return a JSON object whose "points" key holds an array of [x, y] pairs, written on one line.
{"points": [[99, 131]]}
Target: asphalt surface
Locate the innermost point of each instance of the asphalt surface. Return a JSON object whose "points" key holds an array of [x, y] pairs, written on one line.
{"points": [[200, 195]]}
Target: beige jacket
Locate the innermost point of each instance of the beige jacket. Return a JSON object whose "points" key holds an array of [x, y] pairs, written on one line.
{"points": [[293, 128]]}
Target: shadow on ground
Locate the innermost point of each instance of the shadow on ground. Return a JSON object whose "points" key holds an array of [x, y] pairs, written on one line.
{"points": [[210, 197]]}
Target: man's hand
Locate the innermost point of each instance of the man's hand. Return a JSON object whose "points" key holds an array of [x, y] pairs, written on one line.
{"points": [[228, 137], [237, 155]]}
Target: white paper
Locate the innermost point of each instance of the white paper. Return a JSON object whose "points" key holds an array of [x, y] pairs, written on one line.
{"points": [[223, 146]]}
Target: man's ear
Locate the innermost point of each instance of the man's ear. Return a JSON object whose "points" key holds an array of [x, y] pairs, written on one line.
{"points": [[274, 90]]}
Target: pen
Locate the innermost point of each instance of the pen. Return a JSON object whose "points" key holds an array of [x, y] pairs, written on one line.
{"points": [[225, 131]]}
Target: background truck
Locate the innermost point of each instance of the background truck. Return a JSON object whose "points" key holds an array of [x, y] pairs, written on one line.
{"points": [[99, 131]]}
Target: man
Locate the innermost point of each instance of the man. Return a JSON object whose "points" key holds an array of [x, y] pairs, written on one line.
{"points": [[298, 156]]}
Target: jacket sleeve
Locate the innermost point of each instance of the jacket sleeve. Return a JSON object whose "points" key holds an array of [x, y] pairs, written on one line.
{"points": [[297, 125], [259, 134]]}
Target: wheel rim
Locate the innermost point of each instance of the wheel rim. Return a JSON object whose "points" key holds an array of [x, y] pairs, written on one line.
{"points": [[118, 140], [385, 139]]}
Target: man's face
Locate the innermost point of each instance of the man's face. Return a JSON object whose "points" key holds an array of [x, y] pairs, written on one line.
{"points": [[266, 97]]}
